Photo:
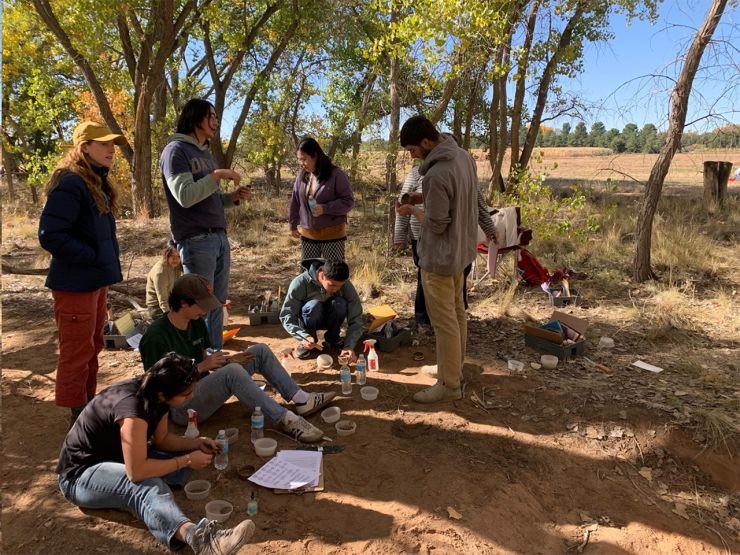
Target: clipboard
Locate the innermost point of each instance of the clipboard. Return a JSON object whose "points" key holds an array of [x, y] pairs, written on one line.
{"points": [[306, 489]]}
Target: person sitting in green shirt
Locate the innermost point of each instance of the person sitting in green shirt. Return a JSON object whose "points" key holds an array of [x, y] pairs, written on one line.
{"points": [[183, 331], [161, 279]]}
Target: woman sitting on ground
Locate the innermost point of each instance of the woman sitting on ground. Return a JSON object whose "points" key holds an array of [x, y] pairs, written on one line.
{"points": [[161, 280], [105, 462]]}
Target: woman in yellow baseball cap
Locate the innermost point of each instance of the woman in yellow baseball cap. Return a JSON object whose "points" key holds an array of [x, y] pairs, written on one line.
{"points": [[78, 228]]}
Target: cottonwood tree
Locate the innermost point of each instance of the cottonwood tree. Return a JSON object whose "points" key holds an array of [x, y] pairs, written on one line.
{"points": [[641, 266], [147, 34]]}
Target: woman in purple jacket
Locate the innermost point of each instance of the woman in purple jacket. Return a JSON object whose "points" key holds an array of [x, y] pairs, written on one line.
{"points": [[319, 205]]}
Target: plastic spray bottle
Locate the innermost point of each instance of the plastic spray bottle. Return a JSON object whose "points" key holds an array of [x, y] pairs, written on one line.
{"points": [[285, 359], [192, 429], [373, 364]]}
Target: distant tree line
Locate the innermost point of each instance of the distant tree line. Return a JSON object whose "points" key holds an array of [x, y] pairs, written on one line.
{"points": [[631, 138]]}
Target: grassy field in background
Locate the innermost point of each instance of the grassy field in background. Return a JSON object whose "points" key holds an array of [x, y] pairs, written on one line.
{"points": [[585, 164]]}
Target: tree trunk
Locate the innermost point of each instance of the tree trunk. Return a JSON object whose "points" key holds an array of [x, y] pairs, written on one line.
{"points": [[716, 175], [544, 86], [141, 183], [521, 84], [357, 135], [392, 155], [641, 267]]}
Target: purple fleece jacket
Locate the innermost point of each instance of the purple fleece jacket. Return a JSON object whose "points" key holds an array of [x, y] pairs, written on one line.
{"points": [[334, 194]]}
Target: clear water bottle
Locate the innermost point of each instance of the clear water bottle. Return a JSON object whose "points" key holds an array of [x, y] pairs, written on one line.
{"points": [[346, 379], [361, 370], [221, 461], [258, 424]]}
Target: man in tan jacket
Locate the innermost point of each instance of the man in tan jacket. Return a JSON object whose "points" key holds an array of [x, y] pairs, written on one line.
{"points": [[446, 245]]}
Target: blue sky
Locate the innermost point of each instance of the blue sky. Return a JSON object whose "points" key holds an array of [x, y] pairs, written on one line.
{"points": [[616, 83], [612, 72]]}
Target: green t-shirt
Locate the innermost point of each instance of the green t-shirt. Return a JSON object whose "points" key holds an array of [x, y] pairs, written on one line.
{"points": [[162, 337]]}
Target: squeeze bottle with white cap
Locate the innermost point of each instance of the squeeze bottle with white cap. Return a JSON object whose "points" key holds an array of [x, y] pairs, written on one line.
{"points": [[285, 356], [192, 429], [373, 364]]}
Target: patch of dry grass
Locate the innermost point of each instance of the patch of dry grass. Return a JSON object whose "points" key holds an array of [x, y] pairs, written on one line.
{"points": [[667, 310], [718, 428]]}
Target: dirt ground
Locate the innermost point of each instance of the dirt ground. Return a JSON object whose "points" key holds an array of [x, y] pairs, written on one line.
{"points": [[564, 461]]}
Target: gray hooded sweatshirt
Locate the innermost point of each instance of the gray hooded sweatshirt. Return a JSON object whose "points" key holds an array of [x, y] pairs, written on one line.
{"points": [[450, 190]]}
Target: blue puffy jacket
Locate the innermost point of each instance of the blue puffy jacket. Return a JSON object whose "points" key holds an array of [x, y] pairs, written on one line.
{"points": [[82, 242]]}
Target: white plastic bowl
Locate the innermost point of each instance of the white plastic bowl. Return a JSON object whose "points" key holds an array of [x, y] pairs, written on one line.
{"points": [[265, 447], [331, 415], [324, 361], [232, 434], [549, 361], [369, 393], [345, 427], [219, 510], [515, 365], [197, 489]]}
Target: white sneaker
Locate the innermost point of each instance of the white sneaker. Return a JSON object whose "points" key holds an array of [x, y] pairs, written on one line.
{"points": [[209, 540], [300, 429], [437, 392], [315, 402]]}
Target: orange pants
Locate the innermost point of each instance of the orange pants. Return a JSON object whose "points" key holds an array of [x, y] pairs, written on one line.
{"points": [[80, 318]]}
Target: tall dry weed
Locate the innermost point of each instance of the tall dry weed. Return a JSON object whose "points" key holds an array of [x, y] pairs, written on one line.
{"points": [[667, 311]]}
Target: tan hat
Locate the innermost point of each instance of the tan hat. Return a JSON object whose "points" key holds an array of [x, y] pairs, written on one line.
{"points": [[197, 288], [91, 131]]}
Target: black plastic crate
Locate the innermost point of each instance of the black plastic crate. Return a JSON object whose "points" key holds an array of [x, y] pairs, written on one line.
{"points": [[563, 352], [388, 345], [259, 318], [573, 300]]}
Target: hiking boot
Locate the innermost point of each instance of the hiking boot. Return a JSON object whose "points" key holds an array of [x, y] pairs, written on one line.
{"points": [[315, 402], [438, 392], [300, 429], [338, 345], [208, 539]]}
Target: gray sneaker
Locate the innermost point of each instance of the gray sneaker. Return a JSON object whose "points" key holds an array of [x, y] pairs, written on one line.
{"points": [[208, 539], [301, 429], [315, 402]]}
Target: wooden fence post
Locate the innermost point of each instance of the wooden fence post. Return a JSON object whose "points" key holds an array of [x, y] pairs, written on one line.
{"points": [[716, 175]]}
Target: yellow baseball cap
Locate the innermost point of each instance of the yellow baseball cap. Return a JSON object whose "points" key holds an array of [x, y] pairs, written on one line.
{"points": [[91, 131]]}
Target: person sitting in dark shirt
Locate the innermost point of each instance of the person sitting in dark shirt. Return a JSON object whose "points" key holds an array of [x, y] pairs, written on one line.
{"points": [[105, 462]]}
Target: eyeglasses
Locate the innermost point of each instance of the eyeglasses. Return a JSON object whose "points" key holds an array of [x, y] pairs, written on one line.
{"points": [[190, 378]]}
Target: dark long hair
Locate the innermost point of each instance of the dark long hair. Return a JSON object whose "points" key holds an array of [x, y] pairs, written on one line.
{"points": [[170, 376], [194, 111], [324, 165]]}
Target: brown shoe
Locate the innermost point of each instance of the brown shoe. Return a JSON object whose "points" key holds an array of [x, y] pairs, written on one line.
{"points": [[437, 392]]}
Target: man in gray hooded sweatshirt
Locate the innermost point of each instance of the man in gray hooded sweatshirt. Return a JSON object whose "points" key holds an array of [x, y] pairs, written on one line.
{"points": [[446, 245], [196, 203]]}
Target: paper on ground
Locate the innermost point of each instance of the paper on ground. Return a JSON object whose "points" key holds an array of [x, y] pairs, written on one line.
{"points": [[308, 461], [280, 474], [646, 366], [134, 340]]}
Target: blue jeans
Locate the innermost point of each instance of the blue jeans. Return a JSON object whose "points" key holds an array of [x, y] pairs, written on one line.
{"points": [[106, 486], [209, 255], [213, 390], [328, 315]]}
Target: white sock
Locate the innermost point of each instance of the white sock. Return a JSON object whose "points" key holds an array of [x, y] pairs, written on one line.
{"points": [[300, 397]]}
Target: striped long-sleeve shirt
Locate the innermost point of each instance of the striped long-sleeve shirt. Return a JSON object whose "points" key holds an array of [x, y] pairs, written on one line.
{"points": [[406, 224], [408, 227]]}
